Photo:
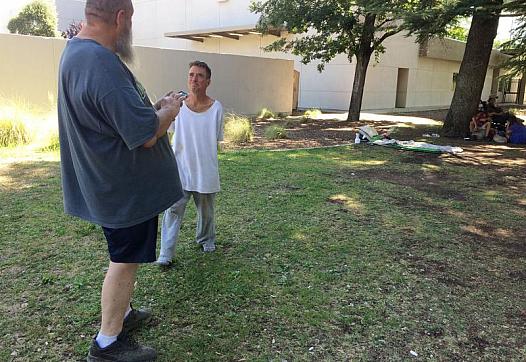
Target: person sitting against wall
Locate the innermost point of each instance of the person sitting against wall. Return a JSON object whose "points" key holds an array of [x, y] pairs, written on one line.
{"points": [[480, 126], [516, 131]]}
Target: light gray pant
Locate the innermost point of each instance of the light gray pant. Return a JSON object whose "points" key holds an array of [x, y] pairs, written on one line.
{"points": [[173, 217]]}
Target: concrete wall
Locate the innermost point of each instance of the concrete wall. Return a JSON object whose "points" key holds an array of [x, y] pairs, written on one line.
{"points": [[29, 71], [430, 80]]}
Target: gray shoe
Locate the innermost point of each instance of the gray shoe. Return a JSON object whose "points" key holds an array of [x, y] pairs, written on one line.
{"points": [[123, 349], [164, 264], [135, 319], [209, 247]]}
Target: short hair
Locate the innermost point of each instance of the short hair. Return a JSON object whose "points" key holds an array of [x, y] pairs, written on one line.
{"points": [[105, 10], [197, 63]]}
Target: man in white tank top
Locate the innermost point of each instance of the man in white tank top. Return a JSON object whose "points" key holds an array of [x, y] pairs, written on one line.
{"points": [[198, 128]]}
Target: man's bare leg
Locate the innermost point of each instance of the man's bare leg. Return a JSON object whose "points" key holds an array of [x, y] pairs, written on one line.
{"points": [[117, 290]]}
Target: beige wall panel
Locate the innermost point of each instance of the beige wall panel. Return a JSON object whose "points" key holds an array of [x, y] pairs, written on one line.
{"points": [[29, 71]]}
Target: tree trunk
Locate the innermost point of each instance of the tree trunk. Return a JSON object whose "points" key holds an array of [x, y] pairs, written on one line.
{"points": [[472, 73], [363, 56]]}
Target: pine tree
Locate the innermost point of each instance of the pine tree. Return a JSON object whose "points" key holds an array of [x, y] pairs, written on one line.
{"points": [[517, 45]]}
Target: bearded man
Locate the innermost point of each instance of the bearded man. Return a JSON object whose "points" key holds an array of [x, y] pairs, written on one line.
{"points": [[118, 170]]}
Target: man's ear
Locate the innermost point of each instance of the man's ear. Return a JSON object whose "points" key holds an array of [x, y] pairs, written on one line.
{"points": [[120, 18]]}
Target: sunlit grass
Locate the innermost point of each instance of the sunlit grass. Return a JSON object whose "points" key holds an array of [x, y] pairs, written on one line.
{"points": [[40, 124], [346, 253]]}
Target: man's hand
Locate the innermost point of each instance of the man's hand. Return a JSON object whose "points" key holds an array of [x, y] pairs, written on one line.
{"points": [[157, 104], [171, 103], [169, 107]]}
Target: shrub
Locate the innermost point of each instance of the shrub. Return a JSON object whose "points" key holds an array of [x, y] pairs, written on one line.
{"points": [[312, 113], [275, 132], [13, 133], [72, 30], [238, 129], [38, 18], [266, 114], [53, 143]]}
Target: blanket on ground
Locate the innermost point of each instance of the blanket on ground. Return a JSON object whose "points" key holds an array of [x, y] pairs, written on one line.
{"points": [[372, 136]]}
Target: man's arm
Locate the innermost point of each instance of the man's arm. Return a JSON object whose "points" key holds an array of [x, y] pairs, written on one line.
{"points": [[168, 109]]}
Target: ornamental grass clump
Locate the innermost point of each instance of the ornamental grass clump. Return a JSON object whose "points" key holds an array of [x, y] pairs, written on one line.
{"points": [[13, 132], [312, 113], [266, 113], [275, 132], [238, 129]]}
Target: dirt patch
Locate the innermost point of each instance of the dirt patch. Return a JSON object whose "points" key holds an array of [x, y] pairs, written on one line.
{"points": [[434, 183]]}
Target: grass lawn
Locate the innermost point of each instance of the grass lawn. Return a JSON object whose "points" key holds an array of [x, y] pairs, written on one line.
{"points": [[347, 253]]}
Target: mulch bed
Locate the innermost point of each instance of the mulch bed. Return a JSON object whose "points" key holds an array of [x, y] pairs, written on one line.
{"points": [[312, 133]]}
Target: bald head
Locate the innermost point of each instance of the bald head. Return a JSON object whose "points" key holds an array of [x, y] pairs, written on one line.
{"points": [[105, 10]]}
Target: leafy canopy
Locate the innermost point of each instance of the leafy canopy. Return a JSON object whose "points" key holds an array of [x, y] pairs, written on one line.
{"points": [[37, 18], [327, 28], [517, 45]]}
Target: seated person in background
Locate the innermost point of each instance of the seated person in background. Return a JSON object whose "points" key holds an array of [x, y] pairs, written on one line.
{"points": [[480, 126], [516, 131], [497, 114]]}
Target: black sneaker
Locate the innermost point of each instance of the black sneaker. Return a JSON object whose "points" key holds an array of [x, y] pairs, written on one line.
{"points": [[135, 319], [123, 349]]}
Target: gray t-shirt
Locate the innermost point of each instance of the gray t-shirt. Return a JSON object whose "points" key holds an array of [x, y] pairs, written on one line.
{"points": [[105, 117]]}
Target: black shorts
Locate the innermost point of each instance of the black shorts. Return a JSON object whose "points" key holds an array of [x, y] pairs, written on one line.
{"points": [[134, 244]]}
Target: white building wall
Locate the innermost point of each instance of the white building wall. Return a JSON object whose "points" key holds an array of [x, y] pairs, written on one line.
{"points": [[430, 80]]}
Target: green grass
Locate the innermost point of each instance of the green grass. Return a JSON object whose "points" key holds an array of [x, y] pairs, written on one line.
{"points": [[350, 253]]}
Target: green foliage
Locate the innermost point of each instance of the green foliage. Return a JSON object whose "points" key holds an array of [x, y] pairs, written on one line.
{"points": [[516, 47], [330, 27], [13, 133], [441, 17], [266, 113], [52, 144], [73, 29], [238, 129], [37, 18], [457, 32], [312, 113], [274, 132]]}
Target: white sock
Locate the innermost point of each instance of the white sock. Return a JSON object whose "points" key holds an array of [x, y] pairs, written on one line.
{"points": [[128, 311], [104, 341]]}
